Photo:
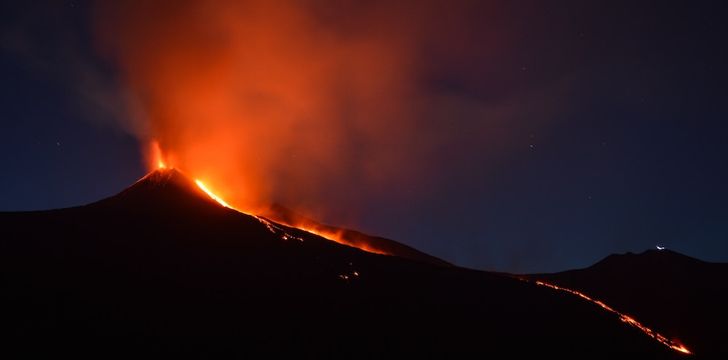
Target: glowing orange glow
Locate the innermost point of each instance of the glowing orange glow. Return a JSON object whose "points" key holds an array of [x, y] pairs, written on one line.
{"points": [[156, 156], [212, 195], [226, 97], [623, 317], [333, 235]]}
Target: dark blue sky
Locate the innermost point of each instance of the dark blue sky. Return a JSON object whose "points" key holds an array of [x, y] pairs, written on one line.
{"points": [[630, 153]]}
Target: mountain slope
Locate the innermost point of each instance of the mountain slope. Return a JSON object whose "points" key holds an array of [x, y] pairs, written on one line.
{"points": [[677, 295], [162, 269]]}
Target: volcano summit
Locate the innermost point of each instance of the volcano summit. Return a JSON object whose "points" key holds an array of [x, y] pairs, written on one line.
{"points": [[163, 269]]}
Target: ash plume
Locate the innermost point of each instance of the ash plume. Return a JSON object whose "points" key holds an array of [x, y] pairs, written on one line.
{"points": [[292, 102]]}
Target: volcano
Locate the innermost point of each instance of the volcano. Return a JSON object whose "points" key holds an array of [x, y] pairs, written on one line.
{"points": [[162, 269]]}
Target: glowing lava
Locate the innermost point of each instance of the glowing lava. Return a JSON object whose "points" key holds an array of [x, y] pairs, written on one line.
{"points": [[332, 236], [625, 318], [212, 195], [313, 228]]}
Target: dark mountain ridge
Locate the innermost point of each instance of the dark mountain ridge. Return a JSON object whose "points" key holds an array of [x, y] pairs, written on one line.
{"points": [[162, 270]]}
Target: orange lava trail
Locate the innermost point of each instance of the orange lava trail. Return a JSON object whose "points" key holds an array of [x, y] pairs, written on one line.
{"points": [[625, 318], [212, 195], [329, 235]]}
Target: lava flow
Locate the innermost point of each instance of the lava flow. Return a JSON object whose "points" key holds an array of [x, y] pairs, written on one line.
{"points": [[329, 235], [212, 195], [625, 318]]}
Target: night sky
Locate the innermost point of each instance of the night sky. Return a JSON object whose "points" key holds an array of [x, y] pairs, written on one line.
{"points": [[605, 127]]}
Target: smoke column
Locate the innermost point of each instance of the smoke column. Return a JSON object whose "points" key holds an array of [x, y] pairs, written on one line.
{"points": [[318, 105]]}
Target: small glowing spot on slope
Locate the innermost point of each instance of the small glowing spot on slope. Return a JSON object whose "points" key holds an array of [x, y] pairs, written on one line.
{"points": [[349, 276]]}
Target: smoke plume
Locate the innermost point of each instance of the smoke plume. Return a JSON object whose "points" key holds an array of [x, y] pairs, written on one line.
{"points": [[314, 104]]}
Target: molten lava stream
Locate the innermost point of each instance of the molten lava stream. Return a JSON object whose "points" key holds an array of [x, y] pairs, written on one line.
{"points": [[623, 317], [329, 235], [335, 236], [212, 195]]}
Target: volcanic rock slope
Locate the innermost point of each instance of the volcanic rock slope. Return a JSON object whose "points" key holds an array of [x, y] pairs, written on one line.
{"points": [[161, 269]]}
